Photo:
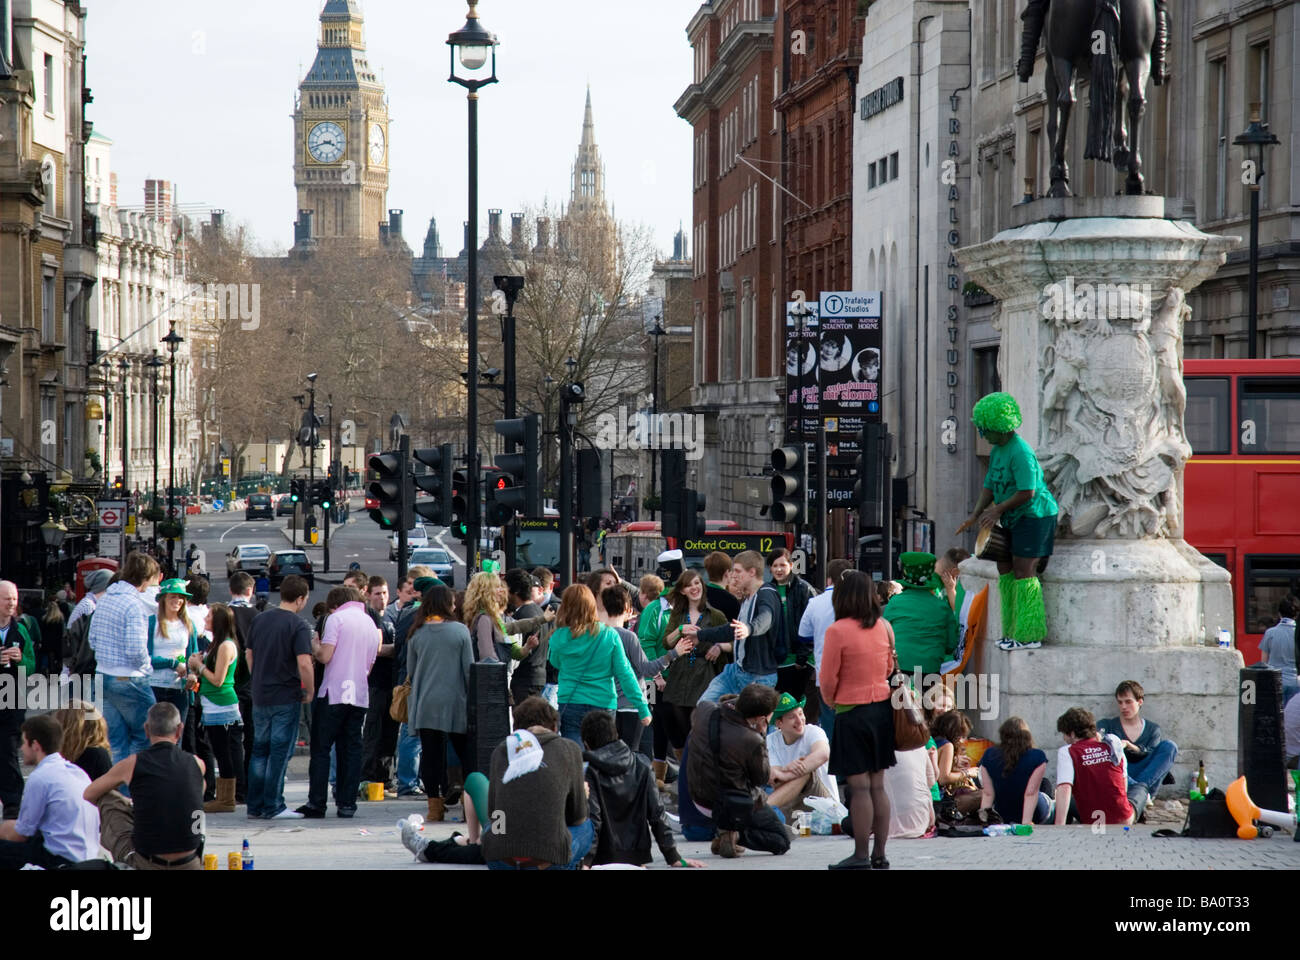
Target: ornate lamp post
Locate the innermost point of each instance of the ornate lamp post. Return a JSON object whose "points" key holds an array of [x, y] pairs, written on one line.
{"points": [[154, 364], [1257, 139], [173, 341]]}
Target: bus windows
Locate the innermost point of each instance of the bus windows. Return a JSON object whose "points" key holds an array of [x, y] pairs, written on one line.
{"points": [[1268, 580], [1269, 411], [1208, 416], [1219, 558]]}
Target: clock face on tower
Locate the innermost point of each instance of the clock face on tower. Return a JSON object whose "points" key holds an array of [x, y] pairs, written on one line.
{"points": [[377, 143], [326, 142]]}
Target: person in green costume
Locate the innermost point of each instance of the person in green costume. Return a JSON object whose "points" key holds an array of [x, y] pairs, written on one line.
{"points": [[1015, 495], [925, 628]]}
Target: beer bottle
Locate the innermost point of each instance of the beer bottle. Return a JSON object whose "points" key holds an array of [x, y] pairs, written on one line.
{"points": [[1202, 784]]}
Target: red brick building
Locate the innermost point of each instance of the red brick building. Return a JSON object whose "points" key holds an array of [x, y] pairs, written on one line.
{"points": [[822, 51], [736, 235]]}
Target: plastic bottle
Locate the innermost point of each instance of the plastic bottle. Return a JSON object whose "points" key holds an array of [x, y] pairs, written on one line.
{"points": [[246, 860], [1008, 830]]}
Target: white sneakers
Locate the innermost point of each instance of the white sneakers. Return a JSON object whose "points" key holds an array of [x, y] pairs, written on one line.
{"points": [[287, 814], [1006, 643]]}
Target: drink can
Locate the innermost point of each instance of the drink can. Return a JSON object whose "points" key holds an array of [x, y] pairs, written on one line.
{"points": [[234, 860], [209, 861], [1225, 640], [375, 791]]}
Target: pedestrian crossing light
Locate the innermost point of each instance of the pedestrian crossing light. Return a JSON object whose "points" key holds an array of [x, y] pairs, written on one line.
{"points": [[790, 484], [460, 505], [500, 502], [523, 494]]}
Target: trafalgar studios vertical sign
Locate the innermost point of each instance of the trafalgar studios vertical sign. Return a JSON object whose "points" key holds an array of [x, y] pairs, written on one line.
{"points": [[802, 393], [849, 366]]}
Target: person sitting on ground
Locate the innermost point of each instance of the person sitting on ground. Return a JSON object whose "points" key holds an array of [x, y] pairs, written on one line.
{"points": [[728, 769], [798, 752], [925, 628], [956, 779], [910, 784], [1091, 773], [155, 830], [1012, 774], [85, 738], [537, 797], [1150, 756], [623, 802], [55, 827]]}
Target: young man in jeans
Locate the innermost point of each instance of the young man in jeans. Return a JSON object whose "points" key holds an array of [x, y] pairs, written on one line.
{"points": [[278, 653], [119, 635], [758, 629], [1150, 756], [348, 648]]}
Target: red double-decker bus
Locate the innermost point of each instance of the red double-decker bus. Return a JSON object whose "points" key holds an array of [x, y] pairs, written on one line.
{"points": [[1241, 487]]}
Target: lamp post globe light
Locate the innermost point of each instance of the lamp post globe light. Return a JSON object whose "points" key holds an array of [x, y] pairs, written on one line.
{"points": [[52, 534], [173, 341], [472, 46], [1256, 139]]}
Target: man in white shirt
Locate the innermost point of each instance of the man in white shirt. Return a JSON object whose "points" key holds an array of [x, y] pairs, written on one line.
{"points": [[798, 752], [55, 827], [817, 616]]}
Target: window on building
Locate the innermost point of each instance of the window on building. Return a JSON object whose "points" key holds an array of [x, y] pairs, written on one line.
{"points": [[1010, 35], [776, 206], [49, 85], [871, 176], [1217, 200], [893, 166], [989, 40], [776, 87], [728, 331], [49, 412], [48, 331], [747, 329], [71, 460], [699, 335], [1257, 79]]}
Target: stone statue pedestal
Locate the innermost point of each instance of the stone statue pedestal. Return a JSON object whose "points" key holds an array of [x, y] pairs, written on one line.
{"points": [[1092, 295]]}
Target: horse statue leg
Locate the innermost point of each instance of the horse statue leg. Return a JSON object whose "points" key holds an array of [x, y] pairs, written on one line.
{"points": [[1060, 102], [1137, 71], [1121, 156]]}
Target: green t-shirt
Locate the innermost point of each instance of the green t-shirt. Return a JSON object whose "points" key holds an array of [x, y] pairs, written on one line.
{"points": [[1014, 467]]}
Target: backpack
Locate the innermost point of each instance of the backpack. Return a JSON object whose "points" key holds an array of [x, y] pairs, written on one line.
{"points": [[1210, 817], [78, 654]]}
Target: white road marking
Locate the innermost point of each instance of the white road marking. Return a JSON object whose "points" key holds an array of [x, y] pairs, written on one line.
{"points": [[223, 536], [442, 543]]}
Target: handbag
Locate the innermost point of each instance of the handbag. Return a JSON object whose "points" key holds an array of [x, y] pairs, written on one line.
{"points": [[398, 708], [910, 729]]}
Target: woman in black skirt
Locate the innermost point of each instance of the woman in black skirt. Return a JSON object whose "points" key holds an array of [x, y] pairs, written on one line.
{"points": [[857, 659]]}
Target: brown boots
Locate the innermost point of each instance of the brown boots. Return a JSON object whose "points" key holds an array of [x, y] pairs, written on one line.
{"points": [[437, 809], [225, 799], [661, 770]]}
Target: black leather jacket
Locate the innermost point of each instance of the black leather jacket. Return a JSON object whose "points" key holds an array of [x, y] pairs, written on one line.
{"points": [[624, 806]]}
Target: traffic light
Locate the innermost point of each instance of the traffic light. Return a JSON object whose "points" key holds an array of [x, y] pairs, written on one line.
{"points": [[866, 489], [321, 494], [693, 521], [392, 489], [500, 487], [593, 482], [523, 494], [672, 483], [790, 484], [460, 505], [437, 482], [296, 489]]}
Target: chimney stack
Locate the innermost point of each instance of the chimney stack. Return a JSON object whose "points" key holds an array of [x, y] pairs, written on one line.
{"points": [[516, 230], [494, 224], [543, 235], [395, 223]]}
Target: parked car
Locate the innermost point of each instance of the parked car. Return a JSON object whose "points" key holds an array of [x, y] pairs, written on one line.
{"points": [[285, 507], [259, 507], [252, 558], [439, 561], [415, 537], [287, 562]]}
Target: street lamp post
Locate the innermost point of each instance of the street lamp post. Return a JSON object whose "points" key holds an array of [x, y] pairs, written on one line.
{"points": [[153, 363], [657, 332], [173, 341], [125, 366], [52, 533], [472, 45], [1256, 140]]}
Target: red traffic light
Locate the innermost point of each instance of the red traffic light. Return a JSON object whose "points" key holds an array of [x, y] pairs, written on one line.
{"points": [[501, 483]]}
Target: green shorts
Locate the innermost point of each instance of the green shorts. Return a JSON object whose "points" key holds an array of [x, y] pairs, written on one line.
{"points": [[1033, 536]]}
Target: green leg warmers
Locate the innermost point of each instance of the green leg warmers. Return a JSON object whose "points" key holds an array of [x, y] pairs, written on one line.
{"points": [[1007, 595], [1031, 618]]}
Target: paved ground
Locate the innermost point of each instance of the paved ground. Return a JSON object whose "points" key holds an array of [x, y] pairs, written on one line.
{"points": [[370, 841]]}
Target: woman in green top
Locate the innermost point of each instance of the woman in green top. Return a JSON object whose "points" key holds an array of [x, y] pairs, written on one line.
{"points": [[1015, 495], [221, 720], [590, 659]]}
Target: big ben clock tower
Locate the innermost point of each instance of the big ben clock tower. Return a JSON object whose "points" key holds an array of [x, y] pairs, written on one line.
{"points": [[340, 127]]}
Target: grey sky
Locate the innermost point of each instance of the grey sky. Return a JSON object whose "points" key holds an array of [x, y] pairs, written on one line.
{"points": [[201, 93]]}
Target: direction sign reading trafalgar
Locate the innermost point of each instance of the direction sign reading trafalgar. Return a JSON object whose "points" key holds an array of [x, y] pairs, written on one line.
{"points": [[849, 303]]}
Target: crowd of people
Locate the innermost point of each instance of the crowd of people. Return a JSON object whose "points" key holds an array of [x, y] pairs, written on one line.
{"points": [[724, 699]]}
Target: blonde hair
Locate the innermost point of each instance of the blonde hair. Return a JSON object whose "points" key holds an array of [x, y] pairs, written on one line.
{"points": [[481, 597], [181, 614], [83, 727]]}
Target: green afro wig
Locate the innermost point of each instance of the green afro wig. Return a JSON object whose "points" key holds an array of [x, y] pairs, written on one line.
{"points": [[998, 412]]}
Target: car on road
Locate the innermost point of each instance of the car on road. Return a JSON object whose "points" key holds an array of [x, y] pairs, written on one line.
{"points": [[259, 507], [284, 508], [416, 537], [287, 562], [252, 558], [439, 561]]}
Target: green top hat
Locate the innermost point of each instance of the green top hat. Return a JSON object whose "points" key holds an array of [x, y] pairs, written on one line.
{"points": [[786, 704], [176, 586], [918, 571]]}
